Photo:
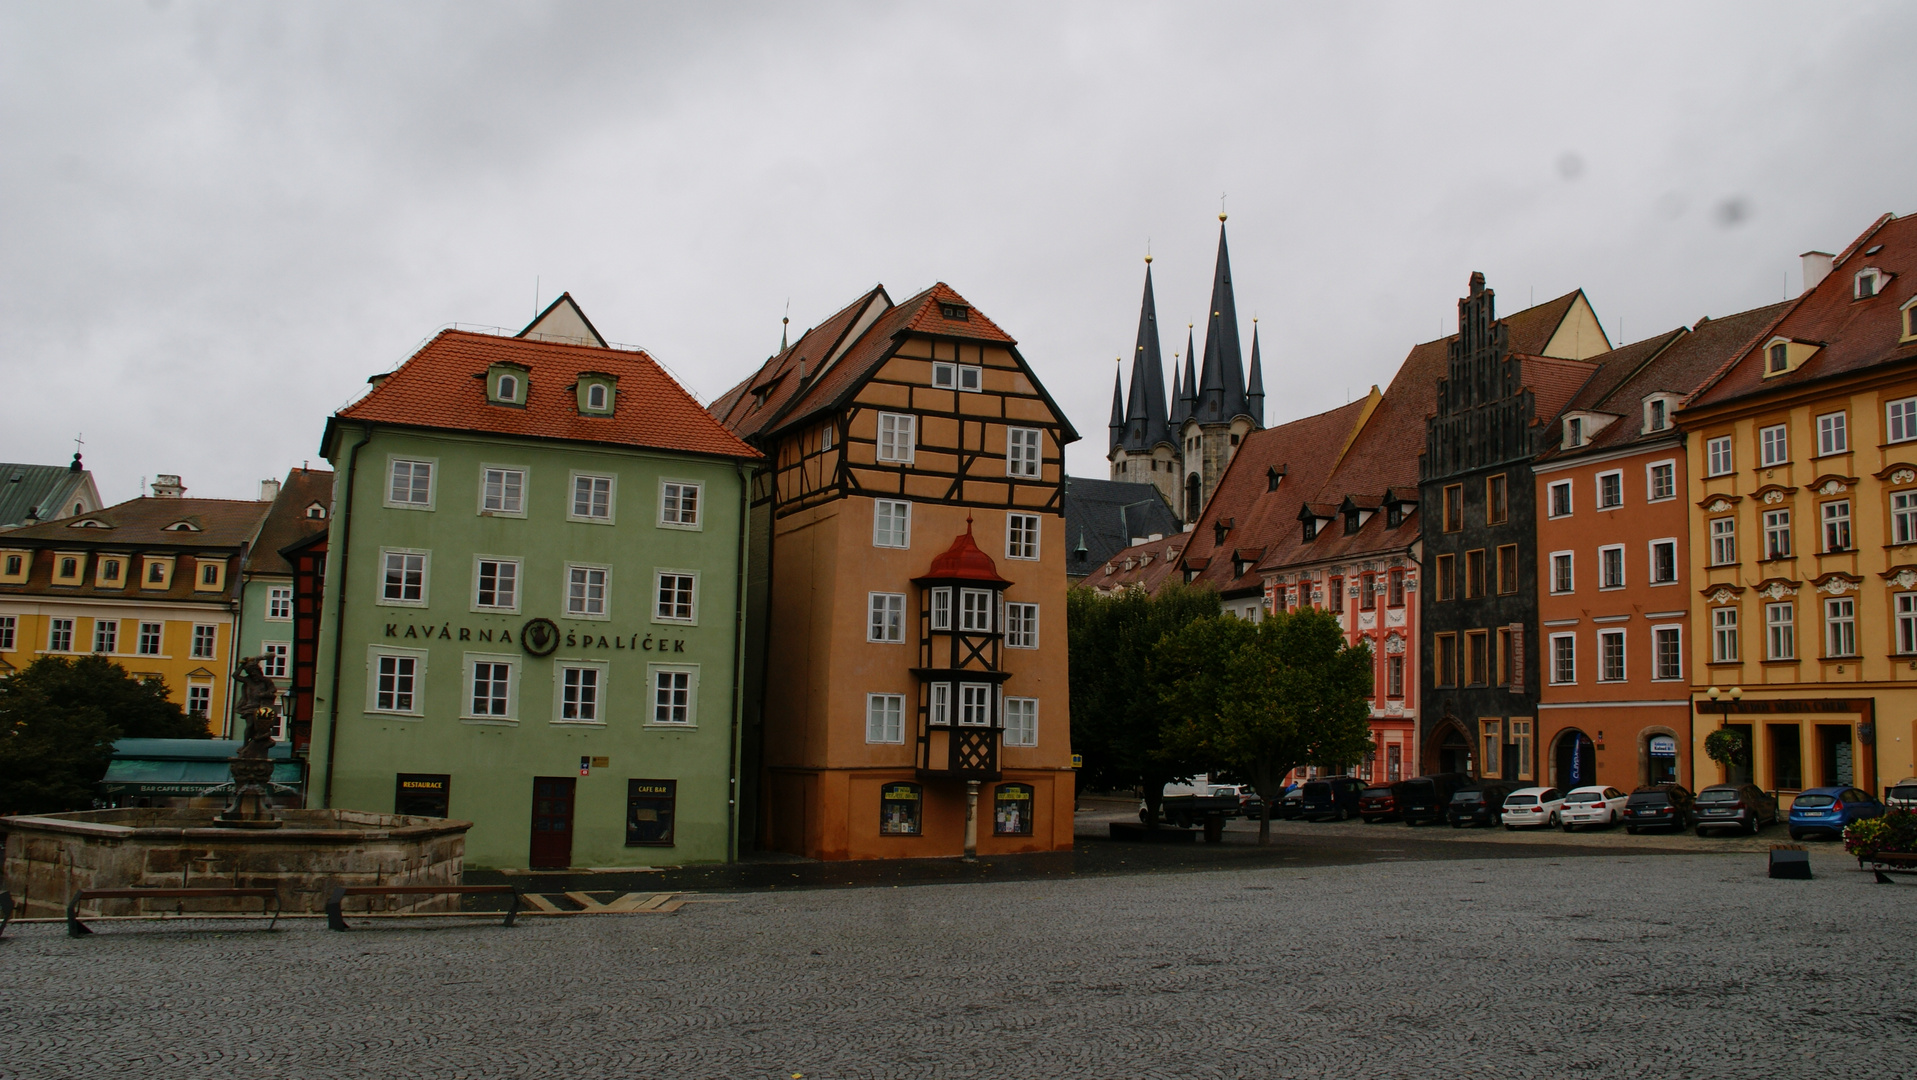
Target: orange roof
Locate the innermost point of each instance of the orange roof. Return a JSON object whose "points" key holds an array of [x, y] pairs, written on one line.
{"points": [[443, 386]]}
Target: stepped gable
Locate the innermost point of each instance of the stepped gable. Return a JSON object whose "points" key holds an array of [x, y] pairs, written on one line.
{"points": [[286, 522], [1260, 518], [1854, 334], [442, 386]]}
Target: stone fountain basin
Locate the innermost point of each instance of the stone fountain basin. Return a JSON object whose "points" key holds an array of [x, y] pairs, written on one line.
{"points": [[51, 856]]}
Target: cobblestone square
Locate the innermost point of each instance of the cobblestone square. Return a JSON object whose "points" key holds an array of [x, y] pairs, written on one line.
{"points": [[1674, 965]]}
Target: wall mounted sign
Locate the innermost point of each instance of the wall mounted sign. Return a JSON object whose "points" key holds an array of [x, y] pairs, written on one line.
{"points": [[539, 637], [1663, 746]]}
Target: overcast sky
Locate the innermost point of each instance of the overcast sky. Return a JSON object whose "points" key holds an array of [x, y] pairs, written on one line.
{"points": [[216, 220]]}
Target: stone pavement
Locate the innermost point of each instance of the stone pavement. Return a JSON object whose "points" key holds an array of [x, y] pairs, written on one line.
{"points": [[1599, 965]]}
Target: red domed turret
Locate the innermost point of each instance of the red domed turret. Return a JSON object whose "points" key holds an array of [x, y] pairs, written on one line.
{"points": [[963, 561]]}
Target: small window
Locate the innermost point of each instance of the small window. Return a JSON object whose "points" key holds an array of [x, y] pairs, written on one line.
{"points": [[199, 700], [1832, 435], [596, 397], [1663, 562], [579, 694], [592, 499], [955, 312], [275, 657], [1773, 446], [1368, 591], [975, 611], [1021, 452], [110, 572], [1496, 505], [1663, 481], [1560, 498], [676, 599], [1901, 419], [404, 581], [891, 523], [508, 388], [975, 705], [884, 718], [1021, 721], [1656, 414], [205, 641], [1610, 656], [1012, 803], [502, 491], [1446, 571], [1837, 525], [1780, 631], [899, 804], [673, 693], [395, 683], [410, 484], [1611, 567], [827, 436], [59, 635], [106, 636], [1021, 626], [1021, 536], [210, 574], [1610, 490], [896, 441], [148, 642], [1840, 627], [496, 584], [1394, 676], [1474, 573], [1477, 650], [1724, 635], [1453, 507], [1444, 655], [316, 511], [970, 377], [279, 603], [887, 618], [1780, 358], [159, 573], [941, 605], [1777, 533], [679, 504], [1869, 281], [1718, 450], [945, 376], [1507, 569], [1905, 605], [586, 593], [1903, 517], [1394, 588], [67, 569], [1723, 541], [1562, 580], [1574, 432]]}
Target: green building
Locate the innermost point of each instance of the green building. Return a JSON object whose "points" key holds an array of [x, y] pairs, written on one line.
{"points": [[300, 508], [533, 598]]}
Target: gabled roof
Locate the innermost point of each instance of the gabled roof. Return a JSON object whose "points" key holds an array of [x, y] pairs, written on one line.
{"points": [[48, 492], [1855, 334], [1106, 515], [442, 387], [287, 524], [148, 523], [1145, 565], [563, 321]]}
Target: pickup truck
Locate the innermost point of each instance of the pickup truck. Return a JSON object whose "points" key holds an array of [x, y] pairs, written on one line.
{"points": [[1185, 805]]}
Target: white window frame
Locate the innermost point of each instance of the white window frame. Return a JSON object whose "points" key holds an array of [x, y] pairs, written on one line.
{"points": [[896, 429], [1723, 541], [432, 482], [1562, 659], [604, 615], [1025, 731], [1720, 455], [1835, 523], [1650, 480], [1024, 452], [1900, 420], [209, 633], [1021, 626], [885, 719], [698, 489], [1903, 608], [425, 578], [1724, 633], [485, 480], [9, 632], [419, 657], [1551, 499], [612, 498], [1903, 516], [966, 612], [280, 651], [1569, 561], [1657, 660], [60, 634], [974, 700], [159, 639], [200, 691], [662, 571], [939, 705], [275, 594], [1840, 622], [1780, 632], [1777, 524], [470, 663], [106, 636], [1833, 433], [602, 672], [1616, 479], [1011, 532], [653, 672], [519, 583], [939, 604], [1605, 554], [885, 618], [603, 393], [1605, 640], [1781, 444], [950, 375], [886, 512], [1676, 553]]}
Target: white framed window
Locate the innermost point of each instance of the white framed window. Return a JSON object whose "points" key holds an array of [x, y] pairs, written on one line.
{"points": [[1611, 567], [1610, 656], [9, 626], [491, 688], [1663, 562], [279, 603], [276, 659], [1777, 534], [1022, 451], [588, 592], [975, 705], [1723, 541], [828, 437], [502, 491], [395, 681], [1610, 490], [1021, 536], [1900, 419], [148, 642], [199, 699], [1867, 282], [1021, 626], [206, 639], [495, 583], [592, 498], [975, 611], [1833, 435], [403, 581], [886, 617], [1661, 480], [1563, 577], [1903, 517], [940, 602], [675, 694], [596, 397], [885, 718], [580, 686], [1021, 721], [949, 376], [1560, 499], [679, 504], [106, 636], [677, 597], [891, 523], [1780, 631], [1905, 605], [1840, 626], [941, 705], [1718, 456], [59, 635], [409, 482], [1724, 635], [1837, 525], [897, 437], [507, 388], [1667, 653], [1773, 446], [1564, 659]]}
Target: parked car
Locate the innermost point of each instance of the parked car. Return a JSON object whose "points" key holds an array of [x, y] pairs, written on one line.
{"points": [[1532, 806], [1428, 798], [1826, 810], [1902, 795], [1478, 804], [1658, 806], [1380, 803], [1733, 806], [1250, 804], [1596, 805], [1334, 798], [1291, 806]]}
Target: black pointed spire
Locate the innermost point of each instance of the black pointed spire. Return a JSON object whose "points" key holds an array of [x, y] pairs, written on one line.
{"points": [[1177, 395], [1145, 419], [1255, 389], [1118, 413], [1186, 404], [1221, 387]]}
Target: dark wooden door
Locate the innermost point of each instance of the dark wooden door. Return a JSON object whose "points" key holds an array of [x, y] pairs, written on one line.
{"points": [[552, 822]]}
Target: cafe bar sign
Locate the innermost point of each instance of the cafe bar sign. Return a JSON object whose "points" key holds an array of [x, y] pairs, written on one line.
{"points": [[539, 637]]}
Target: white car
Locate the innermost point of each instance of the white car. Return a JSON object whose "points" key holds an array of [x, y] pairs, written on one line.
{"points": [[1533, 806], [1592, 806]]}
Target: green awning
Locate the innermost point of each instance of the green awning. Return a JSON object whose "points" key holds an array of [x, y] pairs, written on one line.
{"points": [[142, 776]]}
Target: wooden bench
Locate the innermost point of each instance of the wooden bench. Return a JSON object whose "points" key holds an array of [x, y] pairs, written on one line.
{"points": [[1885, 863], [76, 928], [336, 904]]}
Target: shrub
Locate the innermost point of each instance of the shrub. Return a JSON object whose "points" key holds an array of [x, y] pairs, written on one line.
{"points": [[1895, 831]]}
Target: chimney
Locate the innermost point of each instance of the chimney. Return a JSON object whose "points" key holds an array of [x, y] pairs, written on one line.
{"points": [[269, 490], [1817, 265], [167, 486]]}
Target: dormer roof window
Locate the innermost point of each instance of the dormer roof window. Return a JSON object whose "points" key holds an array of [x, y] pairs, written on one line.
{"points": [[507, 384], [1783, 355], [597, 392], [1573, 431], [184, 525], [954, 312], [1910, 320], [316, 511], [1657, 412], [1868, 283], [1273, 477]]}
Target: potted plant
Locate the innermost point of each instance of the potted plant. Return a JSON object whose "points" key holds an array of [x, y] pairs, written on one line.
{"points": [[1728, 747], [1890, 838]]}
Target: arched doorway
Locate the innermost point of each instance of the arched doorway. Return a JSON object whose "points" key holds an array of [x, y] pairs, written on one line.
{"points": [[1450, 749], [1573, 760]]}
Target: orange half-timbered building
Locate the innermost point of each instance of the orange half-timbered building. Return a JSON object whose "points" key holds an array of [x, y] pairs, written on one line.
{"points": [[906, 638]]}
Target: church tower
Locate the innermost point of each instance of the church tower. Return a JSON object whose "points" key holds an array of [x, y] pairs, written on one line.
{"points": [[1222, 410], [1144, 449]]}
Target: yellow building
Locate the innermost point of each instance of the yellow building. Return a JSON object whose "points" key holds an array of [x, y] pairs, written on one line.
{"points": [[152, 583], [1803, 464]]}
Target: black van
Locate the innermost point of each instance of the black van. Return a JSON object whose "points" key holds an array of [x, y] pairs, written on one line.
{"points": [[1428, 798], [1334, 798], [1479, 804]]}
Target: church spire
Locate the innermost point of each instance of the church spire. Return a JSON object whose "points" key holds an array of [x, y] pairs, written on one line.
{"points": [[1183, 408], [1118, 413], [1145, 420], [1221, 387], [1255, 389]]}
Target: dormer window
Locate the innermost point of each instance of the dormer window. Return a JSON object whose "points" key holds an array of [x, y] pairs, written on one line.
{"points": [[506, 384], [507, 388], [1272, 477], [1780, 359], [182, 526], [1218, 531], [1574, 432], [1311, 527], [1870, 281], [1657, 412], [316, 511], [1394, 515], [1783, 355], [1910, 319], [1352, 522], [967, 377], [955, 312], [597, 393]]}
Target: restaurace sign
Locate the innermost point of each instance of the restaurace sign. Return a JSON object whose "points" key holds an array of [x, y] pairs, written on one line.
{"points": [[539, 637]]}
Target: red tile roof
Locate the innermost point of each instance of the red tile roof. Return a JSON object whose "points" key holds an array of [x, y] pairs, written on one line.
{"points": [[442, 386], [287, 523], [1553, 383], [1146, 565], [148, 522]]}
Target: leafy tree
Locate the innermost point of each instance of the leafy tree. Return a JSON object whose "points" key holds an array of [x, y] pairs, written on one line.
{"points": [[1116, 719], [58, 720], [1263, 698]]}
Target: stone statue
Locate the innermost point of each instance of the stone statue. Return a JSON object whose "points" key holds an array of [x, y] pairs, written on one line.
{"points": [[251, 766]]}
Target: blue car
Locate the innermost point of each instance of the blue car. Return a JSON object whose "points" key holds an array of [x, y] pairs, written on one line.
{"points": [[1827, 810]]}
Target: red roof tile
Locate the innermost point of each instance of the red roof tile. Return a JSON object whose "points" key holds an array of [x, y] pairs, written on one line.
{"points": [[1147, 565], [1553, 383]]}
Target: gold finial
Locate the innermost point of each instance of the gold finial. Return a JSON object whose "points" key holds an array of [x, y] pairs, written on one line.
{"points": [[1221, 216], [1221, 208], [1148, 260]]}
